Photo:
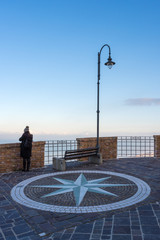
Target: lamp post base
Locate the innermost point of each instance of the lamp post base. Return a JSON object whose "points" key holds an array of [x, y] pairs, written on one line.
{"points": [[96, 159]]}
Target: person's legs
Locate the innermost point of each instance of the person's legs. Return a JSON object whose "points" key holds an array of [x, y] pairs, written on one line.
{"points": [[24, 164], [28, 163]]}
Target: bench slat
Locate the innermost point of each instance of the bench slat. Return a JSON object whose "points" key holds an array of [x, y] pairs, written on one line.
{"points": [[80, 153], [75, 156], [82, 150]]}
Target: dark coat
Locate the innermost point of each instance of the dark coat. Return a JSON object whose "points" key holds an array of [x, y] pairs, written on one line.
{"points": [[26, 152]]}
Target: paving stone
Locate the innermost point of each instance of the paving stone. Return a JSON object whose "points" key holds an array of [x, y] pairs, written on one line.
{"points": [[20, 221], [4, 203], [136, 232], [145, 208], [46, 227], [106, 231], [122, 221], [10, 221], [97, 231], [98, 227], [57, 234], [13, 214], [148, 221], [151, 230], [38, 219], [156, 206], [80, 236], [121, 237], [2, 211], [122, 214], [2, 220], [84, 228], [100, 222], [26, 238], [10, 237], [105, 237], [96, 236], [157, 213], [69, 230], [135, 223], [4, 226], [21, 228], [29, 237], [146, 213], [121, 230], [66, 236], [135, 227], [28, 234], [137, 237], [32, 213], [151, 237]]}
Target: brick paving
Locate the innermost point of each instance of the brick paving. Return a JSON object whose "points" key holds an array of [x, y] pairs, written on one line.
{"points": [[138, 222]]}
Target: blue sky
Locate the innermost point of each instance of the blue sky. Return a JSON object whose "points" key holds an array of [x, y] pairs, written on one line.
{"points": [[48, 68]]}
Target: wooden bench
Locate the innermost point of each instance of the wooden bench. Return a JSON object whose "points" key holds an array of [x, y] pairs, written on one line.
{"points": [[80, 153], [91, 153]]}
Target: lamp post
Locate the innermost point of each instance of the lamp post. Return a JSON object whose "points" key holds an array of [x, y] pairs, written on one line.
{"points": [[109, 63]]}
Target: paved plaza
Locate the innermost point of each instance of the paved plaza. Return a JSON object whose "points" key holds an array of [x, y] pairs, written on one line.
{"points": [[118, 200]]}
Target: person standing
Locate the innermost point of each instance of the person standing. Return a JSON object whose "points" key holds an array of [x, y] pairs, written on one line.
{"points": [[26, 148]]}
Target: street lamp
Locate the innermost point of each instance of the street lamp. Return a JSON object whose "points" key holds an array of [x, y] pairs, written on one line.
{"points": [[109, 63]]}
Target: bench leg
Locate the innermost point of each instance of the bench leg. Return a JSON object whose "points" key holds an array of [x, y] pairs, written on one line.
{"points": [[97, 159], [59, 164]]}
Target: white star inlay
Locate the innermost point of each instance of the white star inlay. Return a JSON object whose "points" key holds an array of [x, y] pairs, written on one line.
{"points": [[80, 187]]}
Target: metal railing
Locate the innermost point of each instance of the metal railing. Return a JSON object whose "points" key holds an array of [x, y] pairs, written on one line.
{"points": [[57, 148], [128, 147]]}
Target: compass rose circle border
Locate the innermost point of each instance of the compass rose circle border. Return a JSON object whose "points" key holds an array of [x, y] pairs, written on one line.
{"points": [[143, 191]]}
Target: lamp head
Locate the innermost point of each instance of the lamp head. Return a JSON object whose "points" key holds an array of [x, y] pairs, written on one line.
{"points": [[109, 63]]}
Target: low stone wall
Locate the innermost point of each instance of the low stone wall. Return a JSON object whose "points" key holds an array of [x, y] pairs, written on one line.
{"points": [[108, 146], [157, 146], [10, 159]]}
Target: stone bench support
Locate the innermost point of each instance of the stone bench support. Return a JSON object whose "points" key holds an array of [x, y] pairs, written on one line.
{"points": [[59, 164]]}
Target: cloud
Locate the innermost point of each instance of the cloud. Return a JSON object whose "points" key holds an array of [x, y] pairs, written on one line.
{"points": [[143, 101]]}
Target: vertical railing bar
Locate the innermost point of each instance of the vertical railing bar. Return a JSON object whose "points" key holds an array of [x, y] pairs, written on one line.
{"points": [[140, 148], [62, 149], [52, 148], [121, 146], [145, 146], [149, 147], [126, 145], [131, 145], [48, 152], [136, 139]]}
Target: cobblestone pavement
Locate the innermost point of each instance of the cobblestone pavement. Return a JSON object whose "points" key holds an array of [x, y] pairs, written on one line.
{"points": [[138, 222]]}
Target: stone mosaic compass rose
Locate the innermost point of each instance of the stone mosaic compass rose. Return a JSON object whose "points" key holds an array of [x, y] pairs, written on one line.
{"points": [[80, 187], [80, 191]]}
